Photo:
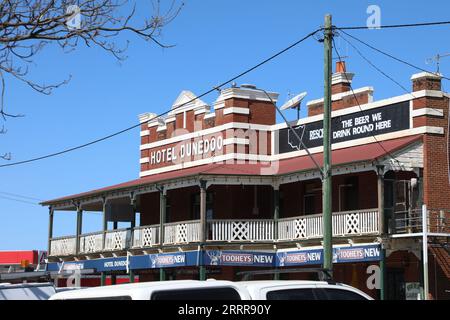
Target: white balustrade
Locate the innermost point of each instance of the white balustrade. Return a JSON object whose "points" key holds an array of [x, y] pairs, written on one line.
{"points": [[182, 232], [63, 246], [91, 243], [242, 230], [146, 236], [117, 240], [348, 223]]}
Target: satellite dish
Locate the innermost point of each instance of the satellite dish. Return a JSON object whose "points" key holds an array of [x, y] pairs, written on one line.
{"points": [[295, 102]]}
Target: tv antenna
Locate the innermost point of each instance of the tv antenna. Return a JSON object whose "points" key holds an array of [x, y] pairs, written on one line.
{"points": [[437, 58]]}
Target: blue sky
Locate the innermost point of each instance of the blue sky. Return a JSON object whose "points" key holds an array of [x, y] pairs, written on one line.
{"points": [[214, 41]]}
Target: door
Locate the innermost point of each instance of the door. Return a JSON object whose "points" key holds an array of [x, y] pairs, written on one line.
{"points": [[395, 284]]}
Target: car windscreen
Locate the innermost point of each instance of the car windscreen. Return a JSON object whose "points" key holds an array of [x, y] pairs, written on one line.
{"points": [[197, 294]]}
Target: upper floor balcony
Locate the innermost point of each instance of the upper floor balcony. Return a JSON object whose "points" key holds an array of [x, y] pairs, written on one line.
{"points": [[218, 231]]}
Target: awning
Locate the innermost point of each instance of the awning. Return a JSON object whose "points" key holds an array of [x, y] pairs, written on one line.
{"points": [[362, 153]]}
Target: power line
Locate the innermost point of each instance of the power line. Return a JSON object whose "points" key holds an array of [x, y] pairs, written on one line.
{"points": [[19, 200], [162, 114], [20, 196], [360, 108], [296, 135], [222, 84], [381, 71], [389, 55], [406, 25]]}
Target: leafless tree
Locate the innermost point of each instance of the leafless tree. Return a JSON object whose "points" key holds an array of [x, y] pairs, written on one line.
{"points": [[27, 26]]}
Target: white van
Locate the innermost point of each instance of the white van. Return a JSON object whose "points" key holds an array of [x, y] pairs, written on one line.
{"points": [[218, 290]]}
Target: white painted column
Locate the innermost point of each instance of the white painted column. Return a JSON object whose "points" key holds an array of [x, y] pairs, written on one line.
{"points": [[425, 251]]}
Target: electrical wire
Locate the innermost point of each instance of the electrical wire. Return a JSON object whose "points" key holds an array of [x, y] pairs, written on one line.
{"points": [[360, 108], [20, 196], [224, 83], [164, 113], [406, 25], [390, 55], [19, 200], [296, 135], [382, 72]]}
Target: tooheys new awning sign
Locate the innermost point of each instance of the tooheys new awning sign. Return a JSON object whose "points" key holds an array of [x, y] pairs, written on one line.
{"points": [[362, 124], [100, 265], [238, 258], [341, 254], [165, 260]]}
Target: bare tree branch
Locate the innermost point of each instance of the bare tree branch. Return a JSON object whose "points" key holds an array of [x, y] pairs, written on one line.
{"points": [[27, 26]]}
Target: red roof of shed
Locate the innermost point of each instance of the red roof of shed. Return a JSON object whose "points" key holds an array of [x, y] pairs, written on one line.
{"points": [[354, 154]]}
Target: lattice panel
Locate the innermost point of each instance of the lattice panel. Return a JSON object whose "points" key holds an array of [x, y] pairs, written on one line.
{"points": [[147, 237], [65, 247], [240, 230], [300, 228], [90, 244], [118, 240], [182, 233], [352, 223]]}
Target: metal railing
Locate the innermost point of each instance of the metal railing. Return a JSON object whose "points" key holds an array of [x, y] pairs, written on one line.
{"points": [[411, 221], [241, 230]]}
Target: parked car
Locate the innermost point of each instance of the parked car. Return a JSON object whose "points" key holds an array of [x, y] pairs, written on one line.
{"points": [[26, 291], [218, 290], [301, 290]]}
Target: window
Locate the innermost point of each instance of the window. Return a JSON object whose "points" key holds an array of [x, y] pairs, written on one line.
{"points": [[197, 294], [292, 294], [340, 294]]}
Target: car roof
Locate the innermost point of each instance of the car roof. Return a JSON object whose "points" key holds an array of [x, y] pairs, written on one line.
{"points": [[141, 288], [7, 285], [254, 287], [265, 283]]}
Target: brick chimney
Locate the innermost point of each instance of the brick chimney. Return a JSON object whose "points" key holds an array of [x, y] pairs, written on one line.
{"points": [[341, 94], [341, 79], [431, 111], [426, 81], [245, 104]]}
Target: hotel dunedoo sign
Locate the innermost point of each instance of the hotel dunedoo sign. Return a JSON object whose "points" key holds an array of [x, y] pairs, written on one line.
{"points": [[386, 119]]}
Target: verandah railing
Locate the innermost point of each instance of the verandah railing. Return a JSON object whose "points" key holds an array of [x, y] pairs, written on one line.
{"points": [[347, 223], [351, 223]]}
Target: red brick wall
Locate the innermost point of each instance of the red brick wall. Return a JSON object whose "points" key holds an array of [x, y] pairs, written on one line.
{"points": [[435, 172], [346, 102]]}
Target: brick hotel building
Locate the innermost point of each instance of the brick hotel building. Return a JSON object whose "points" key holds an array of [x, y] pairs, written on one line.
{"points": [[224, 189]]}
